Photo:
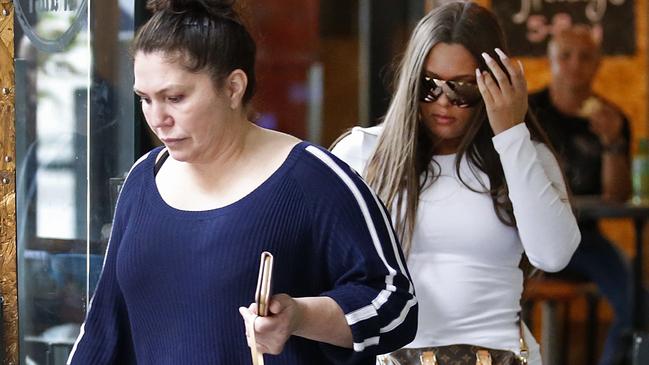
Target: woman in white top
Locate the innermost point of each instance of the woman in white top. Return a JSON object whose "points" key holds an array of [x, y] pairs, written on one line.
{"points": [[469, 178]]}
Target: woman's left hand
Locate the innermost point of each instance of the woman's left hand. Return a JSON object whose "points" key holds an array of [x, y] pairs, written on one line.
{"points": [[272, 332], [505, 97]]}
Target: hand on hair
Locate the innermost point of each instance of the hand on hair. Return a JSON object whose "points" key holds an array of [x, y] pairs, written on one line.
{"points": [[272, 331], [505, 97]]}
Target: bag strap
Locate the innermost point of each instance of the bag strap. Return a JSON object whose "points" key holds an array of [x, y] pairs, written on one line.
{"points": [[524, 352], [160, 159]]}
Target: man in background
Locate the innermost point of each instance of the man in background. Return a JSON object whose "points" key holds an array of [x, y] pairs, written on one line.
{"points": [[591, 136]]}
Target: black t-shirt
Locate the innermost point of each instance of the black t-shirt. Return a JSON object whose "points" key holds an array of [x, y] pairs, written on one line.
{"points": [[579, 149]]}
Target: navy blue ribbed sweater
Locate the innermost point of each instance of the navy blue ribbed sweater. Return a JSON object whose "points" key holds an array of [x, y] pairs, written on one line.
{"points": [[173, 280]]}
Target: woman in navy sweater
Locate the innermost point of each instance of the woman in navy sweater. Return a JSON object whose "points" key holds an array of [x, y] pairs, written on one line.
{"points": [[193, 217]]}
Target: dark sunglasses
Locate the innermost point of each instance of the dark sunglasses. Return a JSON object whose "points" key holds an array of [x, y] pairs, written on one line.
{"points": [[462, 94]]}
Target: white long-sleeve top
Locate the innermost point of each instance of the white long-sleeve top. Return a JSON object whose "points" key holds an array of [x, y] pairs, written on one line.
{"points": [[463, 259]]}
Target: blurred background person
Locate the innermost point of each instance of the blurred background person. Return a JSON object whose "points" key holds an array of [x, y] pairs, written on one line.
{"points": [[592, 137]]}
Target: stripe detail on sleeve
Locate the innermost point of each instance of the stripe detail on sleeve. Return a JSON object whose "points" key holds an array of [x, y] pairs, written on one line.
{"points": [[358, 347], [361, 314], [371, 309], [402, 316], [359, 199], [412, 302]]}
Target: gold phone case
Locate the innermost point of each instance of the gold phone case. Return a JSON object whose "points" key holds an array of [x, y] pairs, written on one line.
{"points": [[264, 283], [262, 298]]}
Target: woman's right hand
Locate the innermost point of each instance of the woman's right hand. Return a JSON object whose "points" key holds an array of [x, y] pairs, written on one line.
{"points": [[272, 331], [505, 96], [316, 318]]}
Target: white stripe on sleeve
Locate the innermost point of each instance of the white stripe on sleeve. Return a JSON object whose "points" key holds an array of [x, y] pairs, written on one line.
{"points": [[370, 310]]}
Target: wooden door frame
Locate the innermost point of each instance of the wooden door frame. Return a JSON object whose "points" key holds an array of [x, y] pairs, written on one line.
{"points": [[8, 273]]}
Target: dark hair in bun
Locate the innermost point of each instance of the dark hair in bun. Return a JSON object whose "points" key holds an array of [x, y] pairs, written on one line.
{"points": [[214, 7], [205, 35]]}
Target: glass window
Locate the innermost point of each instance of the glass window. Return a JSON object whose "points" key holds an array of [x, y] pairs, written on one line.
{"points": [[74, 143]]}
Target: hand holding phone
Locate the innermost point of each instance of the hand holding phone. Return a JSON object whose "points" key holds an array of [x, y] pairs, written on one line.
{"points": [[262, 299]]}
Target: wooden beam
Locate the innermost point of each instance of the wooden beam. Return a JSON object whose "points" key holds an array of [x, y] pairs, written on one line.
{"points": [[8, 284]]}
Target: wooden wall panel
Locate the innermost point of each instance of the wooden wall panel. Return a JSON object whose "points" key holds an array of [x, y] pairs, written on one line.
{"points": [[8, 286]]}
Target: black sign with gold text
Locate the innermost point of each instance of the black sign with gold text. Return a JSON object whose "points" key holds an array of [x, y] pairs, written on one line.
{"points": [[529, 24]]}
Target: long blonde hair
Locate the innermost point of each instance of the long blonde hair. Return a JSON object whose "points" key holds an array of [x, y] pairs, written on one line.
{"points": [[405, 149]]}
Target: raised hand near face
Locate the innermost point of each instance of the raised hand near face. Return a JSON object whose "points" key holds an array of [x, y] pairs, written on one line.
{"points": [[505, 97], [606, 123]]}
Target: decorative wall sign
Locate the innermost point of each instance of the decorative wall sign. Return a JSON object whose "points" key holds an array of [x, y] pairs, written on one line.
{"points": [[529, 24], [51, 24]]}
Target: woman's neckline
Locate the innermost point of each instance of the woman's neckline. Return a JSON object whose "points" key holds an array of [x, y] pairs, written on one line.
{"points": [[161, 203]]}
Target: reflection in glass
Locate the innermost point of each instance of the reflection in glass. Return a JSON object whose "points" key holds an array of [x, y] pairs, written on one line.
{"points": [[74, 143]]}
